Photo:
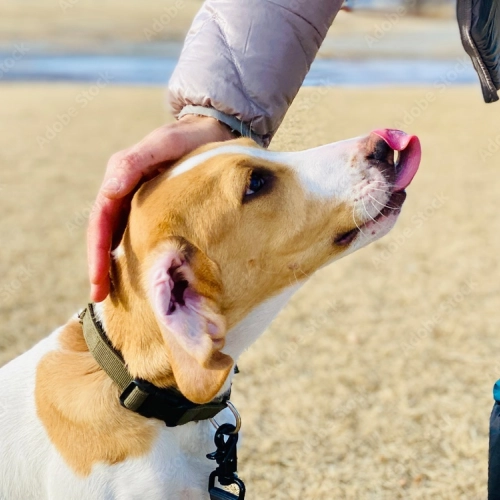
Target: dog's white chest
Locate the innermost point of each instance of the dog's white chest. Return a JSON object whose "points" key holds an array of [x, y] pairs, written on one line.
{"points": [[25, 449], [168, 472], [31, 468]]}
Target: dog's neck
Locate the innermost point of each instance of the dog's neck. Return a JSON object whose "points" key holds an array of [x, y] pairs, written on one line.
{"points": [[252, 326]]}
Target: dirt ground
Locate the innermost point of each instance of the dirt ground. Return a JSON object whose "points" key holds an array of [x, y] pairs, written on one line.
{"points": [[375, 382]]}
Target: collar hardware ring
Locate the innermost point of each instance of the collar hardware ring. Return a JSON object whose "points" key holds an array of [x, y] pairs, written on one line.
{"points": [[237, 417]]}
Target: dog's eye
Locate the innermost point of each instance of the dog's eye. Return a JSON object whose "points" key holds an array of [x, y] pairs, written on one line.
{"points": [[256, 183]]}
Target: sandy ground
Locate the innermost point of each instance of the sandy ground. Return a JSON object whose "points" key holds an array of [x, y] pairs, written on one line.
{"points": [[375, 382]]}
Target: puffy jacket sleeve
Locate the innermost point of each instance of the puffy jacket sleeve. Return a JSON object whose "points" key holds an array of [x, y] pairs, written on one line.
{"points": [[244, 61]]}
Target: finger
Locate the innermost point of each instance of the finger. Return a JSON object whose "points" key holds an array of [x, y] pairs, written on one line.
{"points": [[102, 223], [126, 169], [99, 292]]}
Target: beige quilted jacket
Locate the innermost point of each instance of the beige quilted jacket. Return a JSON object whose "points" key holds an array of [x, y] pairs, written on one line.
{"points": [[244, 61]]}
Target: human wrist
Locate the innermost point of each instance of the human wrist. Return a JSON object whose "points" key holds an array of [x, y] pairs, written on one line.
{"points": [[213, 126], [236, 126]]}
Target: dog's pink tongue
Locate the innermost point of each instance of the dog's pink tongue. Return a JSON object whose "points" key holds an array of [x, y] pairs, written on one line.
{"points": [[409, 156]]}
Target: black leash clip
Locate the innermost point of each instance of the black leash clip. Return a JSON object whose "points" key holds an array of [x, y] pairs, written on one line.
{"points": [[227, 460]]}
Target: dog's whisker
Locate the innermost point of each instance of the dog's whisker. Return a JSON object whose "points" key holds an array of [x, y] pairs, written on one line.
{"points": [[354, 219], [383, 205], [366, 211], [375, 200], [304, 273], [380, 190]]}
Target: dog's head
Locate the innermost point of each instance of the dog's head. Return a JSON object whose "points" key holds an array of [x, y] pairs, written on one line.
{"points": [[233, 225]]}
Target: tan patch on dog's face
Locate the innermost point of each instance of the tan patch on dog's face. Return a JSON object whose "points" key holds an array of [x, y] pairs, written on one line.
{"points": [[261, 243], [78, 404]]}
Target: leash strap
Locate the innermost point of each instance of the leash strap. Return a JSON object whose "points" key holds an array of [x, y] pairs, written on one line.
{"points": [[139, 395], [227, 461]]}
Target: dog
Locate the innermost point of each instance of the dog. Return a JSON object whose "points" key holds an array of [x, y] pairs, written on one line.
{"points": [[213, 249]]}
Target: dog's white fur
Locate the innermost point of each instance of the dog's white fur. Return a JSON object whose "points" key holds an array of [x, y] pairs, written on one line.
{"points": [[31, 467]]}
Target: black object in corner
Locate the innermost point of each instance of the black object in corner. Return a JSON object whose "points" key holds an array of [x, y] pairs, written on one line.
{"points": [[479, 24]]}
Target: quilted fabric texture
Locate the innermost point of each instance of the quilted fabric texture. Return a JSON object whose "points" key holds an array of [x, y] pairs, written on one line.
{"points": [[248, 58]]}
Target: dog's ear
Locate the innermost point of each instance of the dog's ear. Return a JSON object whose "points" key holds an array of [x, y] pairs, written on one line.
{"points": [[185, 290]]}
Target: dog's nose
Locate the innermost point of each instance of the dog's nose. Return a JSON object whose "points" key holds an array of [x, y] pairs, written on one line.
{"points": [[378, 149], [381, 156]]}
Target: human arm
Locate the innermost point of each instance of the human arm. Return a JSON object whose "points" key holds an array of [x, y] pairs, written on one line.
{"points": [[244, 61]]}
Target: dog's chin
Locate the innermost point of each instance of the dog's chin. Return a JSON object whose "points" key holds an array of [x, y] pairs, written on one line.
{"points": [[381, 224], [388, 215]]}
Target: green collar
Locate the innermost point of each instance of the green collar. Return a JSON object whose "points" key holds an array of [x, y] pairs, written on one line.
{"points": [[139, 395]]}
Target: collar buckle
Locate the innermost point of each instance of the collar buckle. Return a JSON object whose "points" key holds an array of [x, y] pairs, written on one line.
{"points": [[133, 396], [168, 405]]}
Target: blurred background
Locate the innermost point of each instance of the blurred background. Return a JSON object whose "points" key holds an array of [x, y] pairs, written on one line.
{"points": [[139, 42], [375, 382]]}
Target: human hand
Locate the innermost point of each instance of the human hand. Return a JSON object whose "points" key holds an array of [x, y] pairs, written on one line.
{"points": [[125, 170]]}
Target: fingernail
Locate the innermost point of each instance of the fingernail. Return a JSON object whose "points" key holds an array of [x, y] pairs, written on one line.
{"points": [[95, 293], [112, 186]]}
